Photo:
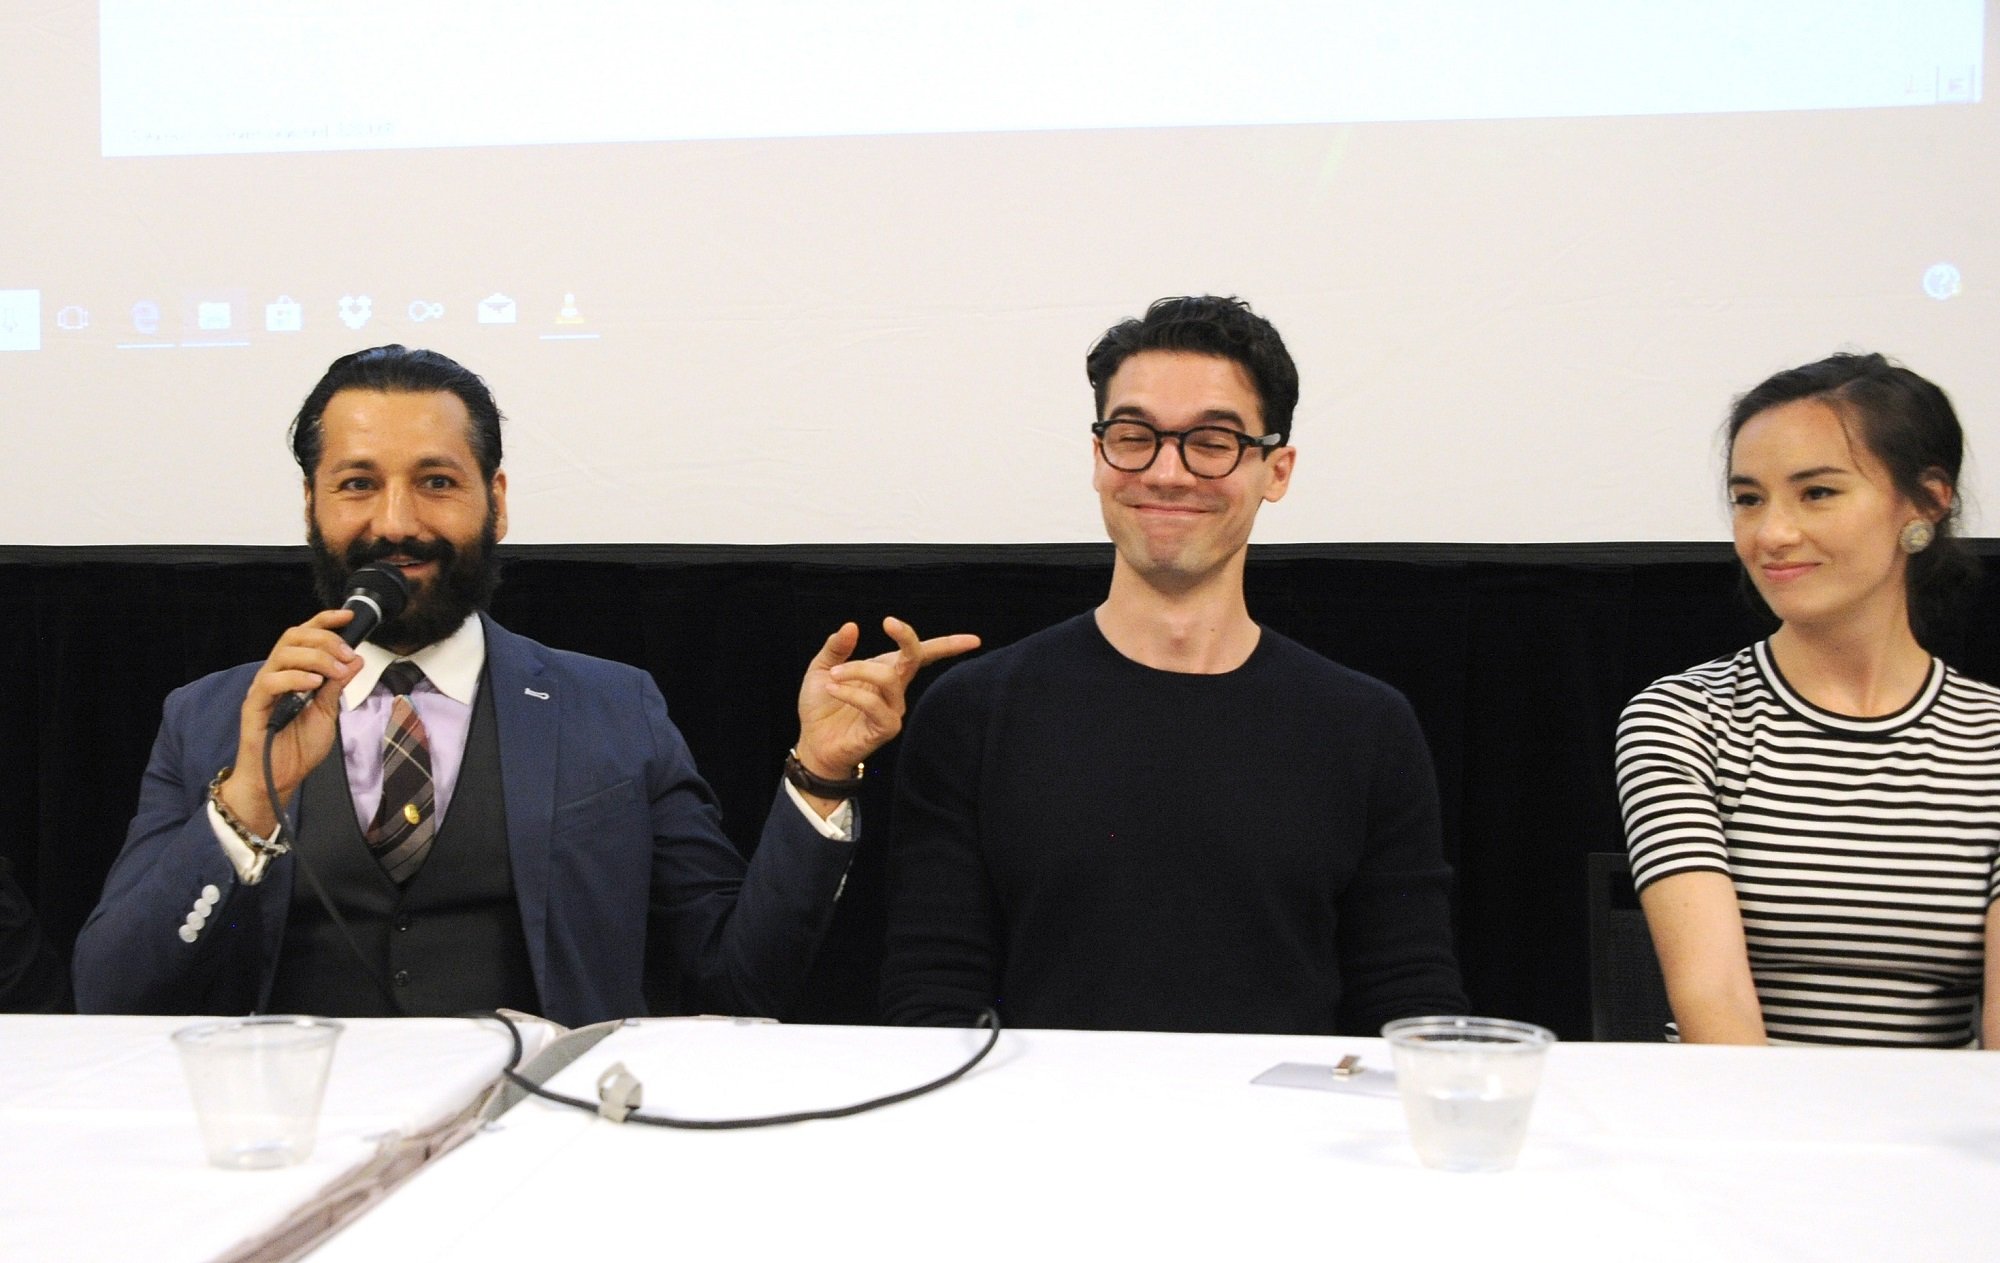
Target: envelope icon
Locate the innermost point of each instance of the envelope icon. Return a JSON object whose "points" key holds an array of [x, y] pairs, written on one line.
{"points": [[497, 309]]}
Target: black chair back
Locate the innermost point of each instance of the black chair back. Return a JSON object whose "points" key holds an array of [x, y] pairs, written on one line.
{"points": [[1628, 998]]}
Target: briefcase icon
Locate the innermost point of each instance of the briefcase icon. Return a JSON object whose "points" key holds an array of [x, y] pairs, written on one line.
{"points": [[283, 315], [497, 309]]}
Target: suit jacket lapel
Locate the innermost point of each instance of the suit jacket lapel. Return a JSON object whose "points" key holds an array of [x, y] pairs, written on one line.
{"points": [[525, 708]]}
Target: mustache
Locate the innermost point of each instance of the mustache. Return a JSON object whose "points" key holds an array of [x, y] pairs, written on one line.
{"points": [[364, 551]]}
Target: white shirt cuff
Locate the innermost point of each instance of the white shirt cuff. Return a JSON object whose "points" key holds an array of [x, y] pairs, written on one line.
{"points": [[249, 864], [839, 826]]}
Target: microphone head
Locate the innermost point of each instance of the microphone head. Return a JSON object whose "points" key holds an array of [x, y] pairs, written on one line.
{"points": [[383, 585]]}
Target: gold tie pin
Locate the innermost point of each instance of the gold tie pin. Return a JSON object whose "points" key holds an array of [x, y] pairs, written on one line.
{"points": [[411, 814]]}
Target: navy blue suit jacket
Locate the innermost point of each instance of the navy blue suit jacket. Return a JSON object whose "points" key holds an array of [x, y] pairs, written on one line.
{"points": [[607, 820]]}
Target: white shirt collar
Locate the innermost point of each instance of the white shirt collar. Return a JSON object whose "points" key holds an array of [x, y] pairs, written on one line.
{"points": [[452, 665]]}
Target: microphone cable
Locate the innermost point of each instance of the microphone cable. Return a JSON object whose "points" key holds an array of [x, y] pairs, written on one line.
{"points": [[617, 1081], [619, 1091], [290, 842]]}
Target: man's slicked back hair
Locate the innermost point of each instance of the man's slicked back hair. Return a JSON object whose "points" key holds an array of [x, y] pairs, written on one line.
{"points": [[399, 370]]}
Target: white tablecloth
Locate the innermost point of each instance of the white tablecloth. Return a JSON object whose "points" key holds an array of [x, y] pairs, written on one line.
{"points": [[1125, 1145], [100, 1157]]}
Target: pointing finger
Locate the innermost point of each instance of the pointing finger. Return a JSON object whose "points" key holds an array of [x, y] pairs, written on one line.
{"points": [[913, 653], [939, 648]]}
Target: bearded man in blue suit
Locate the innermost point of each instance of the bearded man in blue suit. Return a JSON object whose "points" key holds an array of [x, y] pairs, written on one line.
{"points": [[558, 807]]}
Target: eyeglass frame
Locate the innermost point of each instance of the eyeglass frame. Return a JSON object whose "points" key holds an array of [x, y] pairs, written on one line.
{"points": [[1264, 443]]}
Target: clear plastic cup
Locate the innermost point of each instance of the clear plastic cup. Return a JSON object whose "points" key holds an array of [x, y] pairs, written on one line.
{"points": [[257, 1084], [1468, 1084]]}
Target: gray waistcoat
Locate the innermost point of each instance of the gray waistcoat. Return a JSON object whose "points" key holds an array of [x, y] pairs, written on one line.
{"points": [[448, 941]]}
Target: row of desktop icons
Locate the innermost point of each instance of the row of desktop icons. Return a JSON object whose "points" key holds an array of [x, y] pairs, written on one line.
{"points": [[216, 316]]}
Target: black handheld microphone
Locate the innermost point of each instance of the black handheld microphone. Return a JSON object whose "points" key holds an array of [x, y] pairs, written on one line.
{"points": [[376, 593]]}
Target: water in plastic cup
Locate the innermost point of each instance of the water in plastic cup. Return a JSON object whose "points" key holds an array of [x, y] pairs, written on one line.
{"points": [[1467, 1085], [257, 1084]]}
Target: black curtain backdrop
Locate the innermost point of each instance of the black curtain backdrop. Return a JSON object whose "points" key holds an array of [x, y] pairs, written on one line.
{"points": [[1517, 659]]}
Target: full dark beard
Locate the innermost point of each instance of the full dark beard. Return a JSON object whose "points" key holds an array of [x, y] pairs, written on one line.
{"points": [[464, 583]]}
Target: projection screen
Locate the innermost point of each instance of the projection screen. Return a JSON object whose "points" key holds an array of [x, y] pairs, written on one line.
{"points": [[776, 272]]}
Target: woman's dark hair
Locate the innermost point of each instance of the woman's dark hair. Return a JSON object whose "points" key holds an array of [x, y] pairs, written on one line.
{"points": [[397, 369], [1908, 424]]}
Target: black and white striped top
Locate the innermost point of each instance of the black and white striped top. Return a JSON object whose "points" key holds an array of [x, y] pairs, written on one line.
{"points": [[1865, 852]]}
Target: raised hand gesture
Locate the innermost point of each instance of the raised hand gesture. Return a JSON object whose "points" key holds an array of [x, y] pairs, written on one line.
{"points": [[850, 709]]}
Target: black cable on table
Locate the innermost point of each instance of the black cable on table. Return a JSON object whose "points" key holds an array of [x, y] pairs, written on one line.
{"points": [[987, 1017]]}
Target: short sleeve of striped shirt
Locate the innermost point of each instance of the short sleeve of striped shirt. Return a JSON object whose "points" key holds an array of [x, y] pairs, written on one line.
{"points": [[1666, 770]]}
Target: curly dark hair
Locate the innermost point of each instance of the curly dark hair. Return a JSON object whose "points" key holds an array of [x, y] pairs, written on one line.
{"points": [[1206, 325]]}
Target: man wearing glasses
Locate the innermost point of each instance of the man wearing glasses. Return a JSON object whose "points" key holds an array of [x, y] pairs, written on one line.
{"points": [[1159, 815]]}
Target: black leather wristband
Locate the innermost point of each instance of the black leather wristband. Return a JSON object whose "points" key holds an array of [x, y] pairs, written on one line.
{"points": [[806, 781]]}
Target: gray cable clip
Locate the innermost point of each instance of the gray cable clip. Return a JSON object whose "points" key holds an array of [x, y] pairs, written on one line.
{"points": [[618, 1093]]}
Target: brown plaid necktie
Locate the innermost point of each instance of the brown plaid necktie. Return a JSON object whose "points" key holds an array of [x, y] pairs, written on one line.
{"points": [[406, 822]]}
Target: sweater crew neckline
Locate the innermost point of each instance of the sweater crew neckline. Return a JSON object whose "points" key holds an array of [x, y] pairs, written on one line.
{"points": [[1102, 643], [1908, 713]]}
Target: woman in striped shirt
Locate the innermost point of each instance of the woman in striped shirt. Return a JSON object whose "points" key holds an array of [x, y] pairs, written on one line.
{"points": [[1814, 822]]}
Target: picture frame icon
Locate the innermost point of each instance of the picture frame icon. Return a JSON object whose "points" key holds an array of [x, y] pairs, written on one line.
{"points": [[498, 309], [284, 314]]}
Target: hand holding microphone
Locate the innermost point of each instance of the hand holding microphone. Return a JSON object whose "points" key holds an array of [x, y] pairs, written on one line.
{"points": [[295, 694], [375, 594]]}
